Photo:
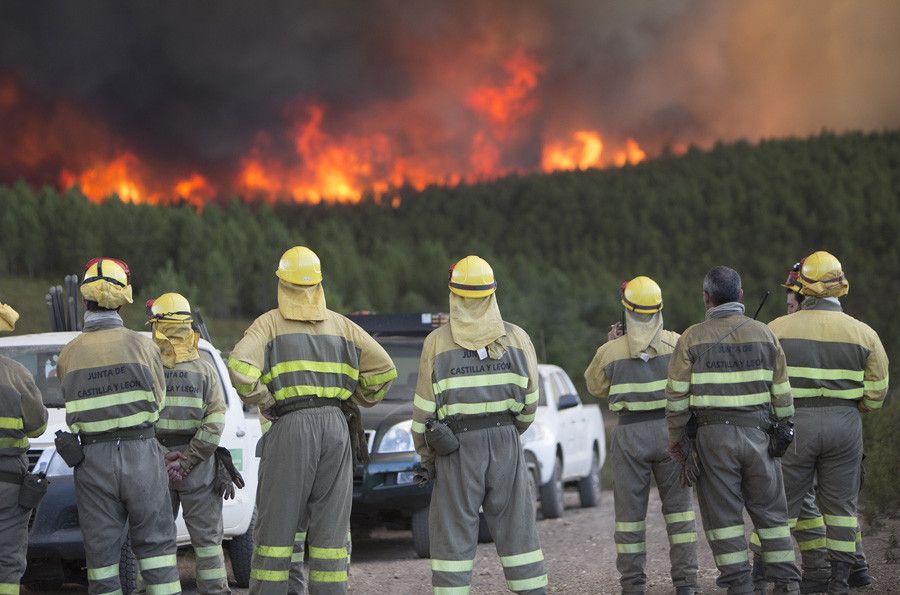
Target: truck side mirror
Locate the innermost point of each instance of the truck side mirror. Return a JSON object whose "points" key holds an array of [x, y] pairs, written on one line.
{"points": [[568, 401]]}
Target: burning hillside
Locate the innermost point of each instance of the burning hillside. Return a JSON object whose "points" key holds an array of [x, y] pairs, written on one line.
{"points": [[335, 101]]}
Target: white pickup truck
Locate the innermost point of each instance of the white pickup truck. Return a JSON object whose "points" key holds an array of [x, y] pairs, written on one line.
{"points": [[55, 545], [566, 444]]}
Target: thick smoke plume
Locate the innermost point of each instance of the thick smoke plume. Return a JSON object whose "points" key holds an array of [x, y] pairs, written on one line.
{"points": [[312, 101]]}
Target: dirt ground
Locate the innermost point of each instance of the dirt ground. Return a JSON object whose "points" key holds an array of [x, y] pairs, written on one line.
{"points": [[579, 552]]}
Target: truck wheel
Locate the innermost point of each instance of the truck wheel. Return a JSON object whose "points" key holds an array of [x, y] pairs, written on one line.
{"points": [[128, 568], [589, 486], [420, 533], [484, 532], [552, 494], [240, 552]]}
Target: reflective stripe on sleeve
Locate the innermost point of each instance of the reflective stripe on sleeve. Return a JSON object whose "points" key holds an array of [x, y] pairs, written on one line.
{"points": [[678, 386], [418, 427], [424, 404], [679, 405], [378, 378], [876, 384], [244, 368]]}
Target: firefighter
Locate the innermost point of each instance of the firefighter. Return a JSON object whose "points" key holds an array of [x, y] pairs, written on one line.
{"points": [[630, 371], [478, 388], [838, 368], [189, 427], [114, 387], [22, 416], [728, 374], [302, 364]]}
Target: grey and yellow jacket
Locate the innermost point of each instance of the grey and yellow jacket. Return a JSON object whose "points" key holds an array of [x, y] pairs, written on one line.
{"points": [[455, 382], [112, 378], [280, 360], [631, 383], [22, 411], [830, 354], [727, 364]]}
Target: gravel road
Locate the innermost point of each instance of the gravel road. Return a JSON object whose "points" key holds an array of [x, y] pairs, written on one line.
{"points": [[579, 552]]}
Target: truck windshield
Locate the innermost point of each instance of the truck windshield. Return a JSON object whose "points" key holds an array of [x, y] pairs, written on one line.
{"points": [[405, 354], [41, 362]]}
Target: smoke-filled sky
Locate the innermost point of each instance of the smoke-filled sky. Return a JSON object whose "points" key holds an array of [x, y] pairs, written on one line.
{"points": [[253, 96]]}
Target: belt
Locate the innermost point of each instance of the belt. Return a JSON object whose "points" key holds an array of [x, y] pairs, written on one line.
{"points": [[9, 477], [170, 440], [306, 403], [825, 402], [633, 417], [117, 435], [470, 423], [744, 421]]}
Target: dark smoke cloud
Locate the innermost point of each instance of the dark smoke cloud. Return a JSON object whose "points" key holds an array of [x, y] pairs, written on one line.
{"points": [[197, 81]]}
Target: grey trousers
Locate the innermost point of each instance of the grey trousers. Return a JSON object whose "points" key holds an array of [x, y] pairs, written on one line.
{"points": [[305, 476], [203, 517], [13, 528], [639, 456], [828, 449], [488, 471], [121, 483], [738, 473]]}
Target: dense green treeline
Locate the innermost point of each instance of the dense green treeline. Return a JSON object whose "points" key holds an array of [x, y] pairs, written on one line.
{"points": [[560, 243]]}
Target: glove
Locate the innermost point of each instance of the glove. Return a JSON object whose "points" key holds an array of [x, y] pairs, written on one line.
{"points": [[424, 475], [781, 434], [227, 476], [174, 467], [615, 331], [676, 451], [359, 446]]}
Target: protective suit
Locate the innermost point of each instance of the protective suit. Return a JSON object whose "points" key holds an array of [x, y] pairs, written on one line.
{"points": [[729, 372], [114, 386], [298, 363], [482, 379], [630, 371], [22, 416], [191, 423]]}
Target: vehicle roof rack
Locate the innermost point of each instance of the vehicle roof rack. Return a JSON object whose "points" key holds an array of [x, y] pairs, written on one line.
{"points": [[420, 323]]}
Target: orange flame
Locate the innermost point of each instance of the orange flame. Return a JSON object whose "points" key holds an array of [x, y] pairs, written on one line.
{"points": [[322, 155]]}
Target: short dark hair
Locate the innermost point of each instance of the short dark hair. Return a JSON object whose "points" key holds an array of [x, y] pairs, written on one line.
{"points": [[723, 285], [92, 306]]}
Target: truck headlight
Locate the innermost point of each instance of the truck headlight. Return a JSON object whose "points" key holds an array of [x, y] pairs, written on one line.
{"points": [[398, 438]]}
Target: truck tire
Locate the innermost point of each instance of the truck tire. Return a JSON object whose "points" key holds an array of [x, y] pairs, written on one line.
{"points": [[552, 493], [421, 543], [589, 486], [128, 568], [240, 552]]}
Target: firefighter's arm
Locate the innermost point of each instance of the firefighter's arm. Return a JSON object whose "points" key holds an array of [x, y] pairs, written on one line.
{"points": [[154, 362], [376, 370], [34, 413], [532, 392], [424, 406], [245, 367], [782, 400], [206, 439], [595, 375], [875, 376], [678, 391]]}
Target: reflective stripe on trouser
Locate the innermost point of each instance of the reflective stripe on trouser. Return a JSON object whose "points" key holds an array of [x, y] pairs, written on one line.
{"points": [[488, 471], [809, 532], [827, 449], [13, 536], [305, 475], [738, 473], [639, 455], [202, 511], [126, 483]]}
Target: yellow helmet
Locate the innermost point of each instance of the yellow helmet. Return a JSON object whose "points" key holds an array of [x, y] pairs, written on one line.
{"points": [[642, 295], [300, 266], [793, 281], [107, 281], [821, 275], [472, 277], [170, 307]]}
